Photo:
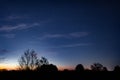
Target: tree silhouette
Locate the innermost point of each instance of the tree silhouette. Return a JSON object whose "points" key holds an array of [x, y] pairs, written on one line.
{"points": [[40, 62], [44, 61], [30, 61], [49, 68], [97, 67], [117, 68], [79, 67], [105, 69]]}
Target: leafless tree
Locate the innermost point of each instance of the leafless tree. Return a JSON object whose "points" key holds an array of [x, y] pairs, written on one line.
{"points": [[97, 67], [40, 62], [28, 60]]}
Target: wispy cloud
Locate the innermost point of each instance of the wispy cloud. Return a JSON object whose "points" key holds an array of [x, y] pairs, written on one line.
{"points": [[71, 45], [68, 35], [46, 36], [8, 35], [15, 17], [68, 45], [2, 54], [9, 28], [78, 34], [3, 51], [74, 45]]}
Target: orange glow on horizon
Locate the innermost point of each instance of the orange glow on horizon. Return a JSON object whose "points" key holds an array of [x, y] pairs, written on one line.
{"points": [[8, 67], [61, 68], [15, 67]]}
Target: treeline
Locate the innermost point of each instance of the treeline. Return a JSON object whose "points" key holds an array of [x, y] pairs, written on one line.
{"points": [[29, 61], [33, 68]]}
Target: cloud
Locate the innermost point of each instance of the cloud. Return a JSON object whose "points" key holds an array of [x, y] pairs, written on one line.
{"points": [[2, 59], [8, 35], [72, 45], [8, 28], [68, 35], [46, 36], [4, 51], [78, 34], [68, 45], [15, 17]]}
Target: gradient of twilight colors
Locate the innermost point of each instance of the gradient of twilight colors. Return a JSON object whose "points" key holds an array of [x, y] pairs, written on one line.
{"points": [[65, 32]]}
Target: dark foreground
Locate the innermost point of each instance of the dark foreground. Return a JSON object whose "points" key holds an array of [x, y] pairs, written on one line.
{"points": [[60, 75]]}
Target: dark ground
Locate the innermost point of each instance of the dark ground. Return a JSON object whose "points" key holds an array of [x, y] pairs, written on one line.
{"points": [[60, 75]]}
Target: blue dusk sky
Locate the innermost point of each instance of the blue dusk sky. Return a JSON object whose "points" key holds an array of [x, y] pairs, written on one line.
{"points": [[66, 32]]}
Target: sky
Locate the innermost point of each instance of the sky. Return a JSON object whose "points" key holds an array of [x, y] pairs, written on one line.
{"points": [[66, 32]]}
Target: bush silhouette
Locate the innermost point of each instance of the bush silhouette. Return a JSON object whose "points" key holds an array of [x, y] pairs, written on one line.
{"points": [[105, 69], [117, 68], [48, 68], [79, 67]]}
